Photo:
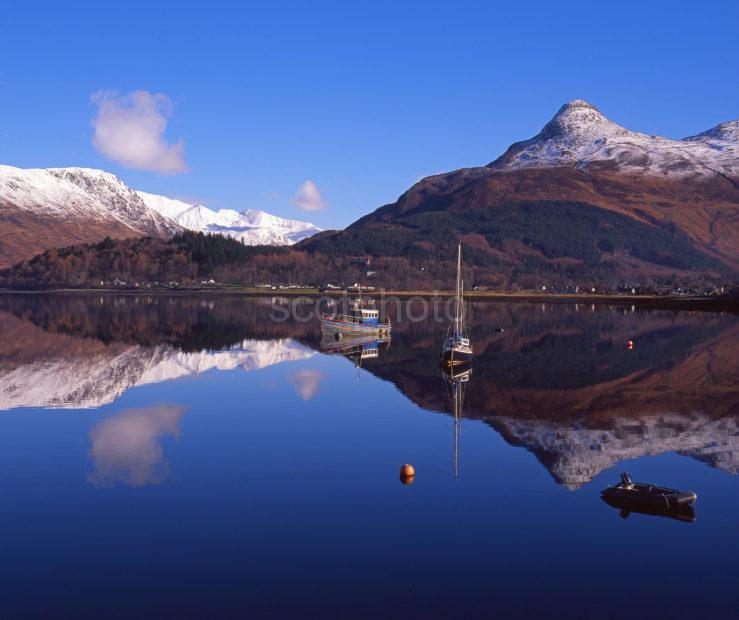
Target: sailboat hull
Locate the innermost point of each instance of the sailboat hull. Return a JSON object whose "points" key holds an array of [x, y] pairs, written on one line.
{"points": [[455, 357]]}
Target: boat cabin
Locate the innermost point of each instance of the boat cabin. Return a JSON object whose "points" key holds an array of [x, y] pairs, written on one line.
{"points": [[370, 350], [367, 316], [459, 341]]}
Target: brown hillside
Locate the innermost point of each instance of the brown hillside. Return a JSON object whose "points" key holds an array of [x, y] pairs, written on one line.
{"points": [[24, 234], [707, 210]]}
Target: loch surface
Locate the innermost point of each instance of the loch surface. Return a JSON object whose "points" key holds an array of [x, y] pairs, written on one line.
{"points": [[211, 456]]}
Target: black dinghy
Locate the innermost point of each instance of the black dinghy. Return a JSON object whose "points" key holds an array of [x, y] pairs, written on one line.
{"points": [[650, 499]]}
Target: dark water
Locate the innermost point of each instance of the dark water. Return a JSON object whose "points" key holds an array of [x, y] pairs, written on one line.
{"points": [[189, 457]]}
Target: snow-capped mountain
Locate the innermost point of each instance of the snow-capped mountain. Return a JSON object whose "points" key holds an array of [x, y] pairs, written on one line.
{"points": [[251, 226], [585, 177], [48, 208], [579, 135], [41, 209], [168, 207], [80, 193], [81, 381]]}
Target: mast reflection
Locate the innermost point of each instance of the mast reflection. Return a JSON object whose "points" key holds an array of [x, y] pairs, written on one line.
{"points": [[456, 383]]}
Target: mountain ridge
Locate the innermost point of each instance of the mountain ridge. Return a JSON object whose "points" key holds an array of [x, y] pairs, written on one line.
{"points": [[682, 195], [579, 134], [43, 208], [252, 226], [583, 203]]}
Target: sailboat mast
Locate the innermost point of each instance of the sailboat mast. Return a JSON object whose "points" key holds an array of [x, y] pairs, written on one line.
{"points": [[461, 306], [459, 272], [456, 431]]}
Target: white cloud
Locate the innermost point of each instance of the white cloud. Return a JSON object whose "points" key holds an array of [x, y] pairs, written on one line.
{"points": [[308, 197], [129, 129]]}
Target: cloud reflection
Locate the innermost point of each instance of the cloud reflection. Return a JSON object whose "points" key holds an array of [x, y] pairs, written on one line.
{"points": [[125, 446], [306, 382]]}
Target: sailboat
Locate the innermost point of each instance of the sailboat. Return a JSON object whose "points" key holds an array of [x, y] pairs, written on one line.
{"points": [[457, 349]]}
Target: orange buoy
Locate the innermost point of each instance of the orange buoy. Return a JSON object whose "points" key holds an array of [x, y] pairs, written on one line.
{"points": [[407, 474], [407, 470], [406, 480]]}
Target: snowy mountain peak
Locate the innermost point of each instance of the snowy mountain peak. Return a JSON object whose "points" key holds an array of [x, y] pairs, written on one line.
{"points": [[79, 194], [62, 206], [579, 118], [724, 132], [168, 207], [71, 205], [580, 111], [262, 218], [580, 136], [251, 226], [577, 104], [84, 177]]}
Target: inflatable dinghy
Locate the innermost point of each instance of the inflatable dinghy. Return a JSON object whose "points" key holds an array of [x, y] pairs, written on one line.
{"points": [[651, 499]]}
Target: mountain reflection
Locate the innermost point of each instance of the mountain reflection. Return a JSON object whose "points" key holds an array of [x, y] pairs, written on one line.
{"points": [[84, 351], [557, 381]]}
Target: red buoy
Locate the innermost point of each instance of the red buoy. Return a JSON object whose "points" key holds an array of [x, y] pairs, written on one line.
{"points": [[407, 474], [629, 344]]}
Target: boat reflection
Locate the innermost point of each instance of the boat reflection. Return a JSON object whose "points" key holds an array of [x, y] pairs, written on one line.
{"points": [[358, 349], [456, 381], [685, 513]]}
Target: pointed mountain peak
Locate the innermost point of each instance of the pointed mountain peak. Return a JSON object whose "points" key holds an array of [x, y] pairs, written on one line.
{"points": [[580, 136], [578, 118], [578, 126], [575, 105]]}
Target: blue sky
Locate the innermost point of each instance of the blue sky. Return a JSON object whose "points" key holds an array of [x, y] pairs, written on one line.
{"points": [[362, 98]]}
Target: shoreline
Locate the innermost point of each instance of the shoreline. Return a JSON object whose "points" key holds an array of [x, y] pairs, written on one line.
{"points": [[648, 301]]}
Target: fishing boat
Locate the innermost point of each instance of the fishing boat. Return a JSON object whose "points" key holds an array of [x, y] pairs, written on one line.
{"points": [[356, 348], [359, 320], [457, 349], [630, 496]]}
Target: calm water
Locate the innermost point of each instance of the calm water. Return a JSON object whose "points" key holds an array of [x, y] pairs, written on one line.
{"points": [[190, 457]]}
